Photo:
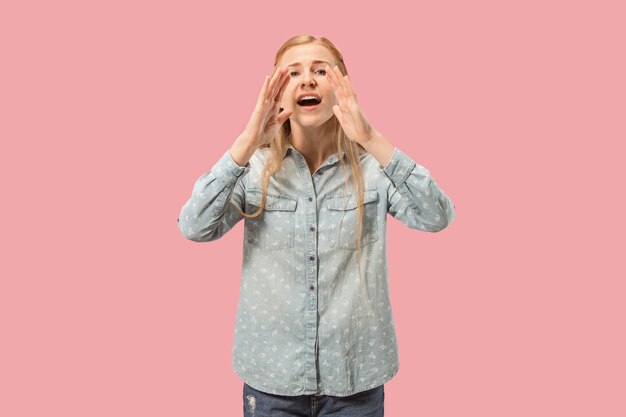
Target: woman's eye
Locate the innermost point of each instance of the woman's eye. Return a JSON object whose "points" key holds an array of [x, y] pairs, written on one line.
{"points": [[296, 72]]}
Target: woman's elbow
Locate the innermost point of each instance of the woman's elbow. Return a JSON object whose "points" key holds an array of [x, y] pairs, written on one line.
{"points": [[437, 223], [442, 221], [195, 234]]}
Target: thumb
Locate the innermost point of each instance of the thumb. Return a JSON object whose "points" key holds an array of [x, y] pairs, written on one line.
{"points": [[337, 112], [283, 116]]}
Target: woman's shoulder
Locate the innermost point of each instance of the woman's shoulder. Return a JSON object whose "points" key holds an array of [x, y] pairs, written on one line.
{"points": [[260, 157], [368, 161]]}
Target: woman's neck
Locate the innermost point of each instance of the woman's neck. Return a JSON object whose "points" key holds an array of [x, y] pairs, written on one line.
{"points": [[315, 144]]}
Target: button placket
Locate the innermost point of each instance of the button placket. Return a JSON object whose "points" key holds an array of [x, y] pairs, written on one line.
{"points": [[309, 220], [312, 228], [312, 294]]}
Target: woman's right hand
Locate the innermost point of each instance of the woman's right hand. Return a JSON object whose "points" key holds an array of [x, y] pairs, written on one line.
{"points": [[267, 118]]}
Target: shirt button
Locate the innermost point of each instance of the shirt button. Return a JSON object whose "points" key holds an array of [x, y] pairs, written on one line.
{"points": [[312, 287], [311, 258], [312, 228], [310, 198]]}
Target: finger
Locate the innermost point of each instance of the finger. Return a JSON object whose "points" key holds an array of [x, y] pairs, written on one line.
{"points": [[339, 80], [282, 83], [338, 114], [345, 85], [286, 80], [332, 78], [283, 87], [261, 98], [329, 74], [281, 90], [349, 86], [283, 116], [346, 88], [347, 91], [273, 107], [270, 91], [279, 87], [343, 106], [278, 81]]}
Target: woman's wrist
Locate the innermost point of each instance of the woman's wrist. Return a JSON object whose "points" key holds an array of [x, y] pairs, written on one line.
{"points": [[242, 150], [380, 148]]}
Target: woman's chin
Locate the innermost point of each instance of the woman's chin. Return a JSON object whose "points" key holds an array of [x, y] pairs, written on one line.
{"points": [[310, 120]]}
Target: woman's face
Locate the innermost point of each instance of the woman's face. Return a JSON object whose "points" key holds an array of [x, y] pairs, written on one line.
{"points": [[308, 76]]}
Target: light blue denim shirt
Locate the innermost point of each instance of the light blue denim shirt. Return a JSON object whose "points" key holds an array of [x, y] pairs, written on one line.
{"points": [[306, 322]]}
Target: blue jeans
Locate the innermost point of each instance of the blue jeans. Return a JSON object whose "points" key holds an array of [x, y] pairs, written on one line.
{"points": [[369, 403]]}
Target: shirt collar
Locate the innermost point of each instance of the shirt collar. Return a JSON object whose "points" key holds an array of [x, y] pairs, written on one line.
{"points": [[331, 159]]}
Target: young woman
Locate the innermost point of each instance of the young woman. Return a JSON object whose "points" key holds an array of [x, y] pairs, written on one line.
{"points": [[314, 331]]}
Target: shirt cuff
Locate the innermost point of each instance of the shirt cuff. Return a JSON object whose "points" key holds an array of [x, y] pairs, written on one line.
{"points": [[399, 167], [227, 168]]}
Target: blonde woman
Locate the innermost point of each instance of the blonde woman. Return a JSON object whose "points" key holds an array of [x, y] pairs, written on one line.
{"points": [[314, 181]]}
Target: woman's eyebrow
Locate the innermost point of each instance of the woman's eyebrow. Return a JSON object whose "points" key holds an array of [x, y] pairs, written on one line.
{"points": [[317, 61]]}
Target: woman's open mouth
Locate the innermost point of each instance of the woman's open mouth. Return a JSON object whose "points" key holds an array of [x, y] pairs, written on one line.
{"points": [[309, 102]]}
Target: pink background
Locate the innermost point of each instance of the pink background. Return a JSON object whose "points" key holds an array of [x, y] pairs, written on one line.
{"points": [[111, 110]]}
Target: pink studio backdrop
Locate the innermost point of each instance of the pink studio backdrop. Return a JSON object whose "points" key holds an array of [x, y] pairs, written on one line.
{"points": [[111, 110]]}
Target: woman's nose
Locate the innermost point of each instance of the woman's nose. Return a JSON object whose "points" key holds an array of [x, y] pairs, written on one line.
{"points": [[307, 79]]}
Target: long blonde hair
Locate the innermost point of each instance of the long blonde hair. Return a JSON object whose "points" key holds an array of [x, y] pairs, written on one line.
{"points": [[352, 150]]}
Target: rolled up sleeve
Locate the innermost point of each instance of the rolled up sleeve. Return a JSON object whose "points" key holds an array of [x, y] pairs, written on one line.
{"points": [[414, 197]]}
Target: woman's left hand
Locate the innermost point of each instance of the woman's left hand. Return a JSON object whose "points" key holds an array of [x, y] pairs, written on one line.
{"points": [[348, 112]]}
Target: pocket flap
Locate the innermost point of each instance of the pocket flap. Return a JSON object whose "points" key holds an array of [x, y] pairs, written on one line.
{"points": [[272, 202], [348, 201]]}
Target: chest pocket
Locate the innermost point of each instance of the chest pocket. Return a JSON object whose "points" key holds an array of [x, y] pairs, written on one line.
{"points": [[275, 227], [343, 219]]}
